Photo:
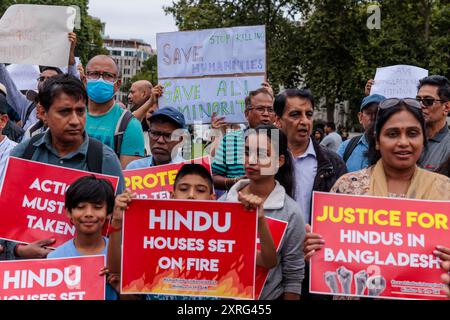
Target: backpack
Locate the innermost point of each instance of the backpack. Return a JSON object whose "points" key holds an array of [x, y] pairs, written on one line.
{"points": [[30, 109], [121, 126], [94, 157], [350, 147]]}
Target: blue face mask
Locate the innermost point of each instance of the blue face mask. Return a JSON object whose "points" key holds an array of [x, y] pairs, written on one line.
{"points": [[100, 90]]}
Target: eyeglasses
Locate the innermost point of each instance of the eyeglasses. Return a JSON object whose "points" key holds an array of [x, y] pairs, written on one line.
{"points": [[262, 109], [155, 135], [95, 75], [42, 79], [392, 102], [428, 102]]}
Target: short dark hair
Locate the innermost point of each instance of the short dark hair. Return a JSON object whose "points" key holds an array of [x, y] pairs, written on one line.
{"points": [[332, 125], [251, 94], [62, 83], [194, 169], [285, 174], [382, 117], [45, 68], [441, 82], [92, 190], [280, 100]]}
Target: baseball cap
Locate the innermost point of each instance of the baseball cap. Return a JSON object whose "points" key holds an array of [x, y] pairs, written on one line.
{"points": [[173, 114], [373, 98]]}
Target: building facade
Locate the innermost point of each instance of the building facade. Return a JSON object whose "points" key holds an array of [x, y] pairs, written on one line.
{"points": [[129, 56]]}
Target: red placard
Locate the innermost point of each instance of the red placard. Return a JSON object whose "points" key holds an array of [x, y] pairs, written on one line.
{"points": [[53, 279], [277, 229], [157, 182], [189, 248], [378, 247], [32, 201]]}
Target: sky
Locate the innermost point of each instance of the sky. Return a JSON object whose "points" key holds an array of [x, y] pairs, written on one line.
{"points": [[137, 19]]}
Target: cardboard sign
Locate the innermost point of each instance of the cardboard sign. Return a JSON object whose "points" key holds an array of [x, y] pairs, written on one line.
{"points": [[277, 229], [211, 70], [53, 279], [189, 248], [33, 198], [36, 34], [24, 76], [157, 182], [399, 81], [378, 247]]}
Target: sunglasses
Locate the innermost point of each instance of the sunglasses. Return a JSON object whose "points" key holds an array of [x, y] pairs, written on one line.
{"points": [[428, 102], [393, 102]]}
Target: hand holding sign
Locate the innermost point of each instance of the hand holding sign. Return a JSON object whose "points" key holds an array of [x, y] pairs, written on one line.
{"points": [[36, 34], [312, 242], [35, 250]]}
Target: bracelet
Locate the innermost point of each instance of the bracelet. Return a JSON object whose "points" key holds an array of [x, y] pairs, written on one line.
{"points": [[15, 249]]}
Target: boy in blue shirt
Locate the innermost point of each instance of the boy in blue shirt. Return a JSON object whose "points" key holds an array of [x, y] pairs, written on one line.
{"points": [[89, 203]]}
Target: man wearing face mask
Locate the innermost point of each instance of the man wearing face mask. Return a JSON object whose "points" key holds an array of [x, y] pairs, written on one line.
{"points": [[106, 120]]}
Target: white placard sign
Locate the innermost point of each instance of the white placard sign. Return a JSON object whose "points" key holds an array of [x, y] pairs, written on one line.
{"points": [[398, 81], [211, 70], [198, 98], [24, 76], [36, 34]]}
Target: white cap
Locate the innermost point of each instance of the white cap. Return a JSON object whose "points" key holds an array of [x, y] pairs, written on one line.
{"points": [[3, 89]]}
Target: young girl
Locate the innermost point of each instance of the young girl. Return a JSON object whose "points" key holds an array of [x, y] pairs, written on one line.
{"points": [[270, 177]]}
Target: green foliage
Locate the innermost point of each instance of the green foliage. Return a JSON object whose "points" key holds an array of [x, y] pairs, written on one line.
{"points": [[148, 72], [90, 42], [326, 45]]}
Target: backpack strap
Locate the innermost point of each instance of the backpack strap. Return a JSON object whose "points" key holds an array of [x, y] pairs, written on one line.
{"points": [[30, 109], [31, 148], [94, 157], [121, 126], [350, 147]]}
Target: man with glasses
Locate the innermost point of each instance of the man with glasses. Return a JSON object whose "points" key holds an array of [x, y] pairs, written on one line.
{"points": [[228, 164], [164, 141], [25, 105], [106, 120], [354, 151], [434, 98]]}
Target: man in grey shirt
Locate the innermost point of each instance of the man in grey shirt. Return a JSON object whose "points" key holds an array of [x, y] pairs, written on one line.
{"points": [[64, 144], [434, 97], [333, 140]]}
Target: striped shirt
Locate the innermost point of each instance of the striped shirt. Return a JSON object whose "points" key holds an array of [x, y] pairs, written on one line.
{"points": [[229, 159], [6, 146]]}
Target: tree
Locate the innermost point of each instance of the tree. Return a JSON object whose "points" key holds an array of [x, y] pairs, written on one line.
{"points": [[90, 41], [148, 72], [326, 44], [281, 29]]}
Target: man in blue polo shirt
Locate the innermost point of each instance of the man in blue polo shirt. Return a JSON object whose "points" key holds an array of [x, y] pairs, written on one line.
{"points": [[354, 151], [164, 141]]}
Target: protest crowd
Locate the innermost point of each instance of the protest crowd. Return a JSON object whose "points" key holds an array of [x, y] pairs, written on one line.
{"points": [[269, 167]]}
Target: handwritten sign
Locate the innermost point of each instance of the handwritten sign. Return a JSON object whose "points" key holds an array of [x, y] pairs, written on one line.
{"points": [[378, 247], [24, 75], [398, 81], [211, 70], [36, 34]]}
